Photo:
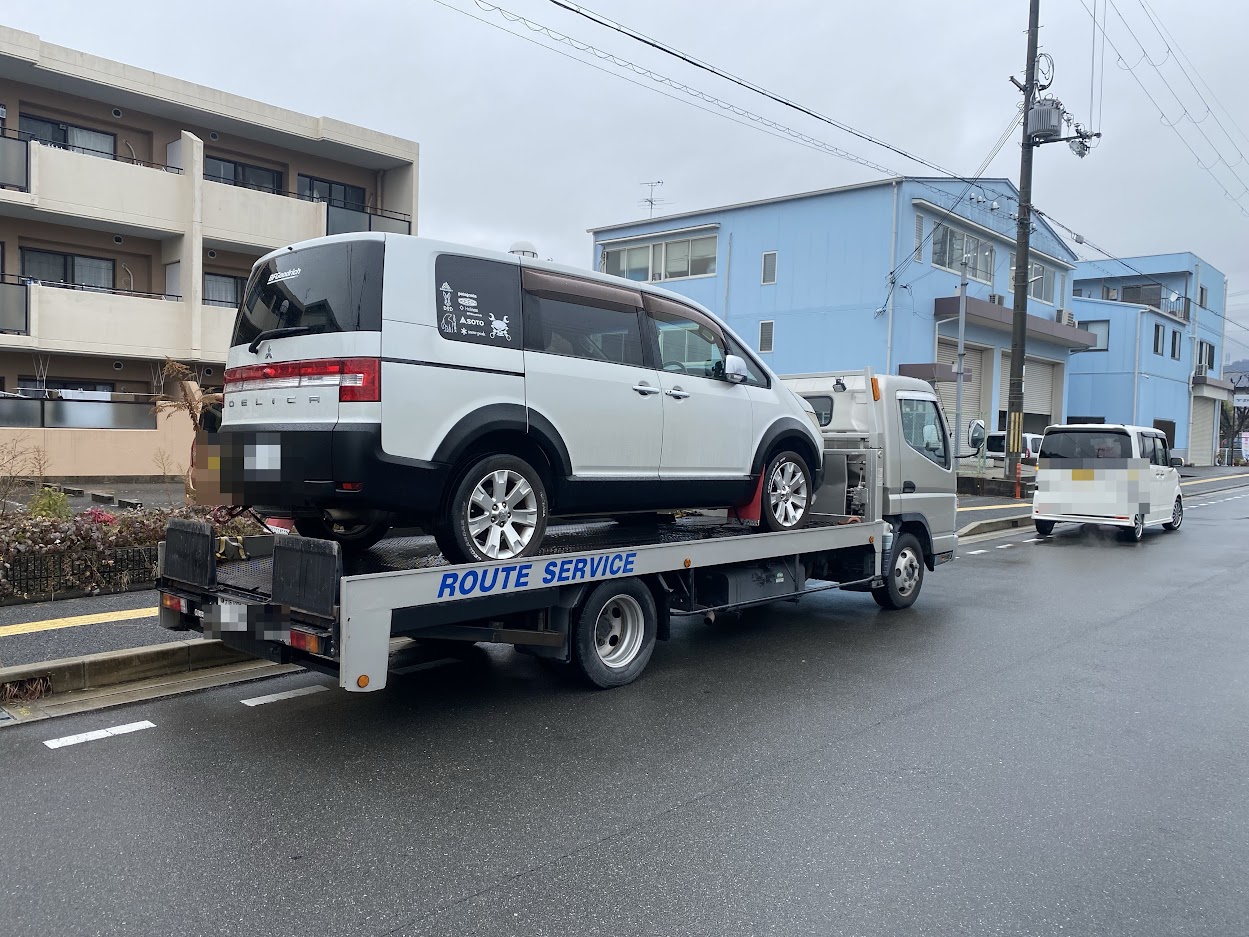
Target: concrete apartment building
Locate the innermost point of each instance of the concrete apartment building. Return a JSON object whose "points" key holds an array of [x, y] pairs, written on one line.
{"points": [[132, 206]]}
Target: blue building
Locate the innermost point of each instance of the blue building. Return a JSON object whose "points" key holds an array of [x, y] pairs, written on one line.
{"points": [[868, 276], [1158, 358]]}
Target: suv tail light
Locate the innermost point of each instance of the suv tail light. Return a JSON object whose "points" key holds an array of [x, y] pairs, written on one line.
{"points": [[357, 379]]}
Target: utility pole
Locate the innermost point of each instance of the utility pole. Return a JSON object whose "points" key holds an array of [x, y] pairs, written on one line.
{"points": [[1023, 257], [958, 377]]}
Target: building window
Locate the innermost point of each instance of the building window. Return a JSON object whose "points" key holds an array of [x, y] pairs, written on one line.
{"points": [[919, 238], [1201, 297], [1077, 292], [767, 334], [1205, 355], [666, 260], [1175, 344], [1100, 331], [232, 172], [1040, 281], [1160, 338], [769, 267], [222, 290], [338, 194], [52, 267], [31, 386], [949, 246], [67, 136]]}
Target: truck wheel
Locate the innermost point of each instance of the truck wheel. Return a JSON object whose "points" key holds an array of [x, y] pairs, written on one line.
{"points": [[1044, 528], [498, 512], [1134, 533], [351, 537], [1177, 515], [787, 493], [904, 576], [613, 633]]}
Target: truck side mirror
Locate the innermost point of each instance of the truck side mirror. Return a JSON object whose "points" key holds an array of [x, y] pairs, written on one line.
{"points": [[735, 370], [976, 435]]}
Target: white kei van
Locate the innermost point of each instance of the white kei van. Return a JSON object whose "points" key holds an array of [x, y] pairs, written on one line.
{"points": [[1114, 474]]}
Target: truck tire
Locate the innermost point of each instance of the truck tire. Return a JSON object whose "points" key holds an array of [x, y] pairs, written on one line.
{"points": [[787, 495], [498, 511], [904, 576], [613, 633], [353, 538], [1044, 528]]}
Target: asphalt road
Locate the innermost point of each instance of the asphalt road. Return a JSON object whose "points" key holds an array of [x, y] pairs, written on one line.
{"points": [[1075, 763]]}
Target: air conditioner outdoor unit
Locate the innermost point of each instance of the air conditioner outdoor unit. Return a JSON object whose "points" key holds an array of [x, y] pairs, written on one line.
{"points": [[997, 299], [1065, 317]]}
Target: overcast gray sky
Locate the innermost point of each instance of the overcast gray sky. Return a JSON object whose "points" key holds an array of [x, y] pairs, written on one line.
{"points": [[518, 142]]}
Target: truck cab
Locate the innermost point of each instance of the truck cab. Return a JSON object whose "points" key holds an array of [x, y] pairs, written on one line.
{"points": [[900, 420]]}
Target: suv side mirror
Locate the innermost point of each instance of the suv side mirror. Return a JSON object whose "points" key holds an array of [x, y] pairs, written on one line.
{"points": [[1176, 462], [976, 435], [735, 370]]}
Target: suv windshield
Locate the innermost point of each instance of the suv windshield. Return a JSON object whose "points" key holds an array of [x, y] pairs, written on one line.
{"points": [[329, 288], [1087, 444]]}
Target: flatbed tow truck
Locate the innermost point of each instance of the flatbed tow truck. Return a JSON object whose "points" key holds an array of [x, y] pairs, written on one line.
{"points": [[597, 596]]}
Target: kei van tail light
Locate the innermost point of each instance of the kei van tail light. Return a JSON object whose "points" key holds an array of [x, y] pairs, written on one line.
{"points": [[359, 380]]}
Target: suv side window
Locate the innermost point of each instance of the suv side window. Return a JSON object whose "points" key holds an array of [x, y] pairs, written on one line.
{"points": [[754, 377], [580, 330], [1147, 447], [687, 346], [923, 431], [1163, 450]]}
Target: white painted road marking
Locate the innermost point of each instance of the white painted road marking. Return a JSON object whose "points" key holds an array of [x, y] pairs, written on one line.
{"points": [[274, 697], [976, 552], [1005, 546], [99, 734]]}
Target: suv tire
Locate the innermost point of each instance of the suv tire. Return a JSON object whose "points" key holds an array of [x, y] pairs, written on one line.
{"points": [[353, 538], [787, 494], [498, 511]]}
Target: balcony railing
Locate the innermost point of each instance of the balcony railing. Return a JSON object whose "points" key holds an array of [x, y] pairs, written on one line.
{"points": [[26, 138], [1156, 297], [24, 281], [341, 217], [70, 409]]}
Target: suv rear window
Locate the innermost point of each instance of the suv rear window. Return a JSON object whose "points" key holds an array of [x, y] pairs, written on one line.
{"points": [[328, 288], [1087, 444], [996, 442]]}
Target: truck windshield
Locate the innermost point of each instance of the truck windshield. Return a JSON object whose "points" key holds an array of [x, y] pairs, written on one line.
{"points": [[327, 288], [1086, 444]]}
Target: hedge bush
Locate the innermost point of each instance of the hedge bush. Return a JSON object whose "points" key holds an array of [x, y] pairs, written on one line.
{"points": [[93, 551]]}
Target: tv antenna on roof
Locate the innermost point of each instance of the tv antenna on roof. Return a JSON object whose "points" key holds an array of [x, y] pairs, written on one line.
{"points": [[651, 201]]}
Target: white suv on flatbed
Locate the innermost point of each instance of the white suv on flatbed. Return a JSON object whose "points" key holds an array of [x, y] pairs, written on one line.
{"points": [[376, 380]]}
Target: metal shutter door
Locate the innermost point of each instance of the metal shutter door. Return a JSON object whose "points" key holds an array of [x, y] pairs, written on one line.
{"points": [[947, 353], [1201, 433], [1038, 386]]}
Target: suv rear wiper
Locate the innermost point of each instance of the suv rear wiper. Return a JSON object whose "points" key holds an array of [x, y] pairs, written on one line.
{"points": [[277, 333]]}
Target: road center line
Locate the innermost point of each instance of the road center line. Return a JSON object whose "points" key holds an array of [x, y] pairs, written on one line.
{"points": [[99, 734], [51, 624], [274, 697]]}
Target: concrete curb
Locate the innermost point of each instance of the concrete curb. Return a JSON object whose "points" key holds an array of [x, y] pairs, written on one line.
{"points": [[996, 523], [127, 666]]}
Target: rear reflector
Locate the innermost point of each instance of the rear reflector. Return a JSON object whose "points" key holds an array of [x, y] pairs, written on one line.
{"points": [[357, 379]]}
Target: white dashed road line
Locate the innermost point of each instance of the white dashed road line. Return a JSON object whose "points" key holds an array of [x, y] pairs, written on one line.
{"points": [[1005, 546], [99, 734], [976, 552], [274, 697]]}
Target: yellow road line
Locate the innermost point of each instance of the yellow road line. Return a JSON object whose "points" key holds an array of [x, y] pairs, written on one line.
{"points": [[997, 507], [1220, 478], [74, 621]]}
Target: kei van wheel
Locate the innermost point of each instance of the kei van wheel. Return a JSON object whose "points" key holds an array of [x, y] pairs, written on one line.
{"points": [[1134, 533], [351, 536], [903, 574], [613, 633], [1177, 515], [787, 493], [1044, 528], [498, 511]]}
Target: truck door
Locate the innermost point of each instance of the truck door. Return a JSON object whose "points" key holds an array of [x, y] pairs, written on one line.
{"points": [[925, 467]]}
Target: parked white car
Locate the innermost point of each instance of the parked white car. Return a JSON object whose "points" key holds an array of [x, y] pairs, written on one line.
{"points": [[1114, 474], [995, 446], [380, 379]]}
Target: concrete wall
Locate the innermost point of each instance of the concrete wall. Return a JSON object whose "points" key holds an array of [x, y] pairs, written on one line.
{"points": [[98, 453]]}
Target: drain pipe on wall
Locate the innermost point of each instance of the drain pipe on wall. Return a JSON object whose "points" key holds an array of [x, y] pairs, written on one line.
{"points": [[893, 265]]}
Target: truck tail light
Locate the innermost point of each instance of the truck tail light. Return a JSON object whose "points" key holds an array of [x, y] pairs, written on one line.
{"points": [[310, 642], [173, 602], [359, 380]]}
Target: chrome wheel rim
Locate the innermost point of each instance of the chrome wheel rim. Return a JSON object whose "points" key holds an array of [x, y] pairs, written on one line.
{"points": [[1177, 513], [787, 493], [906, 571], [1138, 526], [619, 631], [502, 514]]}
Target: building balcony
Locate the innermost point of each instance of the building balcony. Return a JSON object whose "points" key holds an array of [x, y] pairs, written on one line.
{"points": [[63, 185], [1001, 319]]}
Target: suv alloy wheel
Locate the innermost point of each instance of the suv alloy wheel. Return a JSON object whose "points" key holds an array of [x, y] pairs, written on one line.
{"points": [[497, 512], [787, 492]]}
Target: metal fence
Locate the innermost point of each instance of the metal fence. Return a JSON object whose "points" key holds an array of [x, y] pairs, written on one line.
{"points": [[48, 574]]}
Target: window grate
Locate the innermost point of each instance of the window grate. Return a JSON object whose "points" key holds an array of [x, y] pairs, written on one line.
{"points": [[769, 267], [919, 238], [767, 330]]}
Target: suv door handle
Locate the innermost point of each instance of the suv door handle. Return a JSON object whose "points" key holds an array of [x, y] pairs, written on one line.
{"points": [[645, 389], [677, 394]]}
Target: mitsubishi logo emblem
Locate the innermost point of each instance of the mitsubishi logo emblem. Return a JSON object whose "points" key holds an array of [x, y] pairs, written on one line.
{"points": [[268, 352]]}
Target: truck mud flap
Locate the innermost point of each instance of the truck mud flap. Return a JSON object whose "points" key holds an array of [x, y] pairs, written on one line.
{"points": [[306, 575], [188, 555]]}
